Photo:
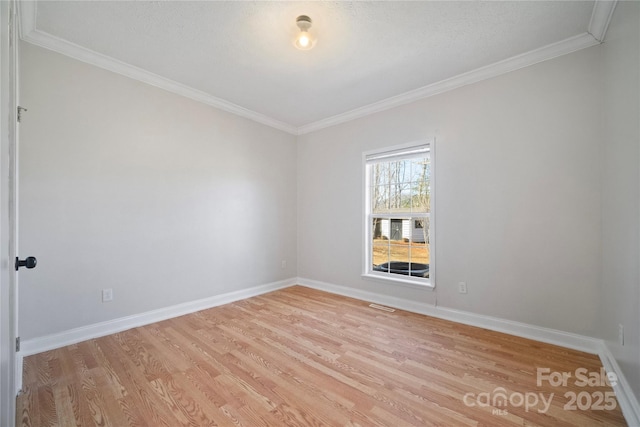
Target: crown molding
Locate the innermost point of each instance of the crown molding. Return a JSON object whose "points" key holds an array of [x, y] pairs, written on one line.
{"points": [[600, 18], [544, 53], [598, 25], [30, 34]]}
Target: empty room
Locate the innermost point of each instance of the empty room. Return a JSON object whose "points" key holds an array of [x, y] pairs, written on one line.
{"points": [[346, 213]]}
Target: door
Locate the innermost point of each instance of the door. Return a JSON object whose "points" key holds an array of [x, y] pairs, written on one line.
{"points": [[8, 278], [396, 229]]}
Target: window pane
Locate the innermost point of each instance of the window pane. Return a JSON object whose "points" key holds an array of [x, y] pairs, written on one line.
{"points": [[380, 253], [394, 229], [404, 172], [420, 253], [405, 199], [394, 198], [420, 260], [399, 252], [379, 174], [420, 196], [427, 230], [396, 171], [418, 169], [376, 229], [380, 199]]}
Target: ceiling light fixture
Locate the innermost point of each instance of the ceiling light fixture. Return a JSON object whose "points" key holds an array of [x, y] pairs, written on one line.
{"points": [[304, 41]]}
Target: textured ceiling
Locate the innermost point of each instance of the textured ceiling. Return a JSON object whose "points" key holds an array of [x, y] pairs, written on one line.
{"points": [[242, 52]]}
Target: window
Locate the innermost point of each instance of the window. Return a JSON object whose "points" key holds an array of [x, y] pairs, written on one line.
{"points": [[399, 214]]}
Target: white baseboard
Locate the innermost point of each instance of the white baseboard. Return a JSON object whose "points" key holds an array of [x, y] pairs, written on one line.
{"points": [[96, 330], [626, 398], [547, 335]]}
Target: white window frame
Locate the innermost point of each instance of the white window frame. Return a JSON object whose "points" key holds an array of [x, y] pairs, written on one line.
{"points": [[367, 264]]}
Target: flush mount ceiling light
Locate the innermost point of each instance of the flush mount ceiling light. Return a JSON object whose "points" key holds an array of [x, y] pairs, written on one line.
{"points": [[304, 40]]}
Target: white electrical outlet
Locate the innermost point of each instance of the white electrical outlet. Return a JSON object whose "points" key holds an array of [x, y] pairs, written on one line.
{"points": [[621, 334], [462, 287], [107, 295], [283, 264]]}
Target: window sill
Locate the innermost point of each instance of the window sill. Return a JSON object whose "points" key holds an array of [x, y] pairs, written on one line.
{"points": [[399, 281]]}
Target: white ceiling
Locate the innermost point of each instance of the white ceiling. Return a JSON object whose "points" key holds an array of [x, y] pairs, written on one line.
{"points": [[239, 56]]}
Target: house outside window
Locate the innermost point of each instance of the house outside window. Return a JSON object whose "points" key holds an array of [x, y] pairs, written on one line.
{"points": [[398, 214]]}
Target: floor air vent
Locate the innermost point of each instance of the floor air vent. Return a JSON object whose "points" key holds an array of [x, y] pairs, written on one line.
{"points": [[382, 307]]}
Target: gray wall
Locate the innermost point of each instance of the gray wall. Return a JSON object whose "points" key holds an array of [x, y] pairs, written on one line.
{"points": [[517, 194], [126, 186], [620, 294]]}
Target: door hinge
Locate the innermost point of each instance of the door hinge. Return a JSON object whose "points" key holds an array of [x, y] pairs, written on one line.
{"points": [[20, 111], [17, 344]]}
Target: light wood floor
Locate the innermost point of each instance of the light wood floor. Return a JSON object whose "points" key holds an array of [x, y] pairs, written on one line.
{"points": [[300, 357]]}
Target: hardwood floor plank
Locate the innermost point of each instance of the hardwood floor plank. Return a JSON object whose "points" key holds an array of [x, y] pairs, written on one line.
{"points": [[137, 394], [27, 411], [47, 414], [64, 406], [301, 357]]}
